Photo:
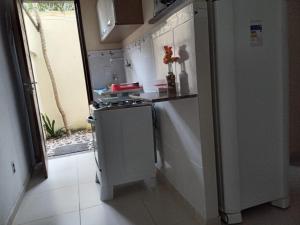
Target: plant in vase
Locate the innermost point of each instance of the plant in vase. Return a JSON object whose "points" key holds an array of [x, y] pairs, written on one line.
{"points": [[169, 59]]}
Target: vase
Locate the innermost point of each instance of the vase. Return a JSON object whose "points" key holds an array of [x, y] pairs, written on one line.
{"points": [[171, 81], [183, 80]]}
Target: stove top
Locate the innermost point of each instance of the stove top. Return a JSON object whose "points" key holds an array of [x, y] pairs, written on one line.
{"points": [[116, 104]]}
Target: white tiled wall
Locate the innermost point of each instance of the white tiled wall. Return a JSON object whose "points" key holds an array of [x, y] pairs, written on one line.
{"points": [[146, 55], [185, 48], [159, 42], [178, 31], [180, 147], [103, 70], [141, 57]]}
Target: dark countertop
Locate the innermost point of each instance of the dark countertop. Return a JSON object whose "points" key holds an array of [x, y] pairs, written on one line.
{"points": [[162, 97]]}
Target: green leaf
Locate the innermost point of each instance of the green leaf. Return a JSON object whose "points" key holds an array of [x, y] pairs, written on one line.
{"points": [[49, 126], [53, 124]]}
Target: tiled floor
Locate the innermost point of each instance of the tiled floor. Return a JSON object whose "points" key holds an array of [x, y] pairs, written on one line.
{"points": [[71, 197], [269, 215]]}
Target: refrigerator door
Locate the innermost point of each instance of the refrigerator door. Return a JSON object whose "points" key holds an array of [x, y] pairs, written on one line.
{"points": [[251, 68], [226, 82], [262, 96]]}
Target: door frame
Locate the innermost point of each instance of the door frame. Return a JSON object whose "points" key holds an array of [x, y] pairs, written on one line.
{"points": [[84, 54], [32, 110], [32, 107]]}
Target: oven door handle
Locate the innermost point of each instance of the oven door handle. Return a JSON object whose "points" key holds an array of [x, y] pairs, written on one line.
{"points": [[91, 120]]}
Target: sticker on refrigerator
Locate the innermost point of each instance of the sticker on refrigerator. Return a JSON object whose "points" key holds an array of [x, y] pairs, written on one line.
{"points": [[256, 34]]}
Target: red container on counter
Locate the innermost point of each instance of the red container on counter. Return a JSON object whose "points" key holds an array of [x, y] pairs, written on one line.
{"points": [[125, 87]]}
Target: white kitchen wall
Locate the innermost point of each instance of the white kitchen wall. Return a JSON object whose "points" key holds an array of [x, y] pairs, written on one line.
{"points": [[178, 31], [106, 66], [180, 148], [140, 55], [182, 143], [179, 120]]}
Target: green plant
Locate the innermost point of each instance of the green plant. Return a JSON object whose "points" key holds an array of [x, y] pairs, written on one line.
{"points": [[49, 127]]}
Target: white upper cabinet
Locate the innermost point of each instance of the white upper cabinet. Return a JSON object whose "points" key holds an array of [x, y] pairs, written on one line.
{"points": [[119, 18]]}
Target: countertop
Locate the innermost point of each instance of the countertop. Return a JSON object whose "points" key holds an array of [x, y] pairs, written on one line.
{"points": [[162, 97]]}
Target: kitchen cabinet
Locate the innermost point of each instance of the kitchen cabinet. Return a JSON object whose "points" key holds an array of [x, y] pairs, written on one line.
{"points": [[119, 18]]}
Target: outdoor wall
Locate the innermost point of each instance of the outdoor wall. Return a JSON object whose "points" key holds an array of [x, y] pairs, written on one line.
{"points": [[65, 58]]}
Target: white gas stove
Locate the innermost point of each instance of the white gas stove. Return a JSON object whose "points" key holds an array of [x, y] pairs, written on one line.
{"points": [[124, 144]]}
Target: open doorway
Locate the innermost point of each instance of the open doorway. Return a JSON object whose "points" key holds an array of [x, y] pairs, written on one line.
{"points": [[56, 55], [294, 79], [294, 100]]}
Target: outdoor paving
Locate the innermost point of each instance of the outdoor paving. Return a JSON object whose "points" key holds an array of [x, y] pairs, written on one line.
{"points": [[54, 146]]}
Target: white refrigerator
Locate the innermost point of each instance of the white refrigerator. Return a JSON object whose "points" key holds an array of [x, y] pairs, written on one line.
{"points": [[251, 103]]}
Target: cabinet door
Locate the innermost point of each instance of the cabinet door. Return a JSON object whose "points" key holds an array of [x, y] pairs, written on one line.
{"points": [[102, 16], [106, 16], [138, 143], [110, 9]]}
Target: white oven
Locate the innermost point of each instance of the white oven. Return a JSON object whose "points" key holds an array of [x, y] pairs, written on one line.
{"points": [[124, 145]]}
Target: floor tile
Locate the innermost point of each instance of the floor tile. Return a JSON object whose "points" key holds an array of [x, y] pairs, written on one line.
{"points": [[269, 215], [85, 158], [87, 174], [62, 163], [86, 166], [65, 219], [188, 222], [136, 191], [166, 208], [89, 195], [71, 184], [47, 204], [115, 214], [57, 179]]}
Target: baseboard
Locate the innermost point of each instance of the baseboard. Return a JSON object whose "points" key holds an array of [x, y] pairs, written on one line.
{"points": [[17, 204], [199, 218]]}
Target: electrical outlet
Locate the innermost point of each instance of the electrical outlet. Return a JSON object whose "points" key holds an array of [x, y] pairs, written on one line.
{"points": [[13, 167]]}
